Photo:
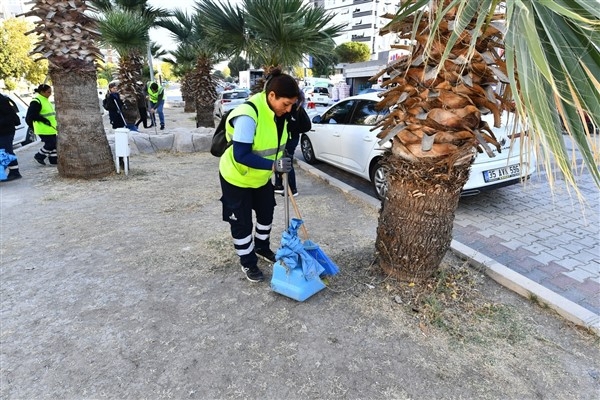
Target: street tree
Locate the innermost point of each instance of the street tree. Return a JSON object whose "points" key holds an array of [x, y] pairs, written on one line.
{"points": [[15, 60], [124, 25], [182, 60], [353, 52], [547, 57], [67, 39], [270, 32], [188, 30], [324, 65], [237, 64]]}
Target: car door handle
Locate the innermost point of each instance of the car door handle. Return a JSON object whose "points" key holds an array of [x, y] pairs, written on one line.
{"points": [[368, 139]]}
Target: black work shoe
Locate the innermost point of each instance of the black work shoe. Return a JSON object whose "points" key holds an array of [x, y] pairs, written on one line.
{"points": [[278, 189], [253, 274], [162, 127], [40, 158], [12, 176], [267, 254]]}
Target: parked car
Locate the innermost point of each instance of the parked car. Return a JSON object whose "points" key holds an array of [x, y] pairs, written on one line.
{"points": [[342, 137], [317, 95], [229, 99], [23, 133]]}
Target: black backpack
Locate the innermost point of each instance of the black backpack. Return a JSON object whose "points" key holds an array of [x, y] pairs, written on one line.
{"points": [[219, 140]]}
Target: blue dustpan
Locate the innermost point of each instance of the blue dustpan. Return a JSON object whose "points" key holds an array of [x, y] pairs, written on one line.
{"points": [[292, 283], [329, 267], [296, 273]]}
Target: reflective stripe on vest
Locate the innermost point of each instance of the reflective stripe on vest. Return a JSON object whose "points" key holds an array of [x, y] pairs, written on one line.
{"points": [[47, 112], [264, 145]]}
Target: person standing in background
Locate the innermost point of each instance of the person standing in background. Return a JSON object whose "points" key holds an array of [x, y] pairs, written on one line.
{"points": [[9, 119], [156, 94], [114, 105], [42, 117], [141, 97]]}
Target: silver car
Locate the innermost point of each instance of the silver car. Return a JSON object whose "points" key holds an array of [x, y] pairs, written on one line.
{"points": [[230, 99]]}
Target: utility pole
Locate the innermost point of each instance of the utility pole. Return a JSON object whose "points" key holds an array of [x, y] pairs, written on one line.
{"points": [[150, 63]]}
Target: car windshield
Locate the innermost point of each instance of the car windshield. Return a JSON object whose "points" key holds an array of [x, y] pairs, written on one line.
{"points": [[236, 95]]}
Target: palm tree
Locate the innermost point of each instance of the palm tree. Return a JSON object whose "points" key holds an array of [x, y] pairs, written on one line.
{"points": [[549, 60], [188, 30], [68, 40], [270, 32], [182, 60], [124, 25]]}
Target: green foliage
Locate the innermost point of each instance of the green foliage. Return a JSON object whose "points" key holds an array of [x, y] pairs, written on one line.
{"points": [[219, 75], [352, 52], [15, 60], [10, 84], [107, 71], [237, 64], [324, 65], [166, 71], [270, 32], [102, 83]]}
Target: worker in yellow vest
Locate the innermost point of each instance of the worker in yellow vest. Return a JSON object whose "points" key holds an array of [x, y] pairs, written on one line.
{"points": [[259, 135], [42, 117], [156, 97]]}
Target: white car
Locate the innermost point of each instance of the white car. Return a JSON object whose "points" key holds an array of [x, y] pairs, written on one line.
{"points": [[229, 99], [342, 137], [317, 95], [23, 133]]}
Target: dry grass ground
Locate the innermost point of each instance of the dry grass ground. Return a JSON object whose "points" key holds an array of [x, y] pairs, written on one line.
{"points": [[128, 287]]}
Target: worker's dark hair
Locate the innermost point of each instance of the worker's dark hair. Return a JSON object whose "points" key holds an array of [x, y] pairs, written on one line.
{"points": [[42, 88], [154, 86], [283, 85]]}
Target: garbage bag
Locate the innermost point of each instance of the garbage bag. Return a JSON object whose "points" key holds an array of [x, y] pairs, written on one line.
{"points": [[5, 159], [292, 253]]}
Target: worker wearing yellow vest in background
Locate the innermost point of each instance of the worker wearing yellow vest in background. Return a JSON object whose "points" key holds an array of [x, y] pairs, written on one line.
{"points": [[246, 167], [156, 96], [42, 117]]}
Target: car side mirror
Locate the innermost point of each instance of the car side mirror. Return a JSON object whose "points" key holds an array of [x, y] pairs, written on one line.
{"points": [[316, 119]]}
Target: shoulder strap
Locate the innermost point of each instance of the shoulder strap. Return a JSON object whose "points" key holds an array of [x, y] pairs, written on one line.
{"points": [[252, 105]]}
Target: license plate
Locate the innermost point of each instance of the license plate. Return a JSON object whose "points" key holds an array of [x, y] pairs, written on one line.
{"points": [[502, 173]]}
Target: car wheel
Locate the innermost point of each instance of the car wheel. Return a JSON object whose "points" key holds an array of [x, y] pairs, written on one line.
{"points": [[379, 179], [30, 137], [307, 150]]}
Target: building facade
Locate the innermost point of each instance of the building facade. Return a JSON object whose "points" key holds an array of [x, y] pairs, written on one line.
{"points": [[363, 21], [11, 8]]}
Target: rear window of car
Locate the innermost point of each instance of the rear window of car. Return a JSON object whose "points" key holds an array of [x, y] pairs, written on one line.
{"points": [[235, 95]]}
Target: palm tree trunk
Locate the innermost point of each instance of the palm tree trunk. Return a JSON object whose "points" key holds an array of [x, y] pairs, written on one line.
{"points": [[83, 149], [417, 216]]}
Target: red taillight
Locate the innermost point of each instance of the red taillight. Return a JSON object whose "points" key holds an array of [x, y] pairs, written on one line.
{"points": [[225, 101]]}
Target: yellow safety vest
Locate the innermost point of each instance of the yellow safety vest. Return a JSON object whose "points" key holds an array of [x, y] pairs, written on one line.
{"points": [[153, 96], [47, 112], [265, 144]]}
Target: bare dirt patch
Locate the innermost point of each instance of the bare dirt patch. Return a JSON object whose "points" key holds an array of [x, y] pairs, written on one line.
{"points": [[128, 287]]}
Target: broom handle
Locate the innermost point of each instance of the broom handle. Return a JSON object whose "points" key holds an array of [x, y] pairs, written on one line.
{"points": [[297, 211]]}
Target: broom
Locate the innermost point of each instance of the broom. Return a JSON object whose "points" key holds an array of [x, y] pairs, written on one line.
{"points": [[311, 247]]}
